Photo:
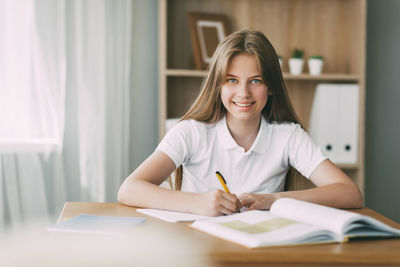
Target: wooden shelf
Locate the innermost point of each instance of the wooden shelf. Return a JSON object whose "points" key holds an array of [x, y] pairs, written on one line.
{"points": [[323, 77]]}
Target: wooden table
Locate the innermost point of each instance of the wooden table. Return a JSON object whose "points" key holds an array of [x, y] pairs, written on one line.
{"points": [[217, 252]]}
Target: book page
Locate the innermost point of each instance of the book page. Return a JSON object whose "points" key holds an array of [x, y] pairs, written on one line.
{"points": [[260, 228], [335, 220], [370, 227], [172, 216]]}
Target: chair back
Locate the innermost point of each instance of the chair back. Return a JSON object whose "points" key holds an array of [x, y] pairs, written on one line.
{"points": [[295, 181]]}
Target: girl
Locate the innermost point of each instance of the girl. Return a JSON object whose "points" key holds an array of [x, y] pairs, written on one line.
{"points": [[243, 125]]}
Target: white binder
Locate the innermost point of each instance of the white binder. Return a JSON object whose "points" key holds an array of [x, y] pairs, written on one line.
{"points": [[334, 121]]}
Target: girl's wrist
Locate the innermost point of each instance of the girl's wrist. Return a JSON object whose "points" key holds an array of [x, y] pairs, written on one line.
{"points": [[196, 203]]}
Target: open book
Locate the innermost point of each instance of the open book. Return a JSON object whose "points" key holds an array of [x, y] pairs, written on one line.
{"points": [[291, 222]]}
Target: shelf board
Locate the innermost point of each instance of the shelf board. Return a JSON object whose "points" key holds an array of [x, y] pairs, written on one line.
{"points": [[185, 73], [323, 77], [286, 76]]}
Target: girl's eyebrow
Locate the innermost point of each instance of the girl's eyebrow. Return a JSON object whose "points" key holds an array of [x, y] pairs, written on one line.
{"points": [[251, 77]]}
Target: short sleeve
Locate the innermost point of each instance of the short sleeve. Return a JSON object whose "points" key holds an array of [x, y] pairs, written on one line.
{"points": [[304, 154], [177, 143]]}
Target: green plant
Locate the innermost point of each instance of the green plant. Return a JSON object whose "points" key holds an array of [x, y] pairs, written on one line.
{"points": [[297, 53], [317, 57]]}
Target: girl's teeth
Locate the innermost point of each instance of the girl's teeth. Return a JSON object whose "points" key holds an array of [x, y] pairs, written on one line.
{"points": [[243, 105]]}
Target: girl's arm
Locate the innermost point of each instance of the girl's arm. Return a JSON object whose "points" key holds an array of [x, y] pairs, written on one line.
{"points": [[141, 189], [334, 188]]}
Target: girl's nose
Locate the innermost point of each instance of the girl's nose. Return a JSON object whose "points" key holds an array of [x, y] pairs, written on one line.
{"points": [[244, 89]]}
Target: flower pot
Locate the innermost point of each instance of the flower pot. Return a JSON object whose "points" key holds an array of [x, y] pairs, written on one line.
{"points": [[315, 66], [296, 66]]}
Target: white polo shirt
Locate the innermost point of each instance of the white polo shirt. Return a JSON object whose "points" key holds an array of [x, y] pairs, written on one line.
{"points": [[203, 149]]}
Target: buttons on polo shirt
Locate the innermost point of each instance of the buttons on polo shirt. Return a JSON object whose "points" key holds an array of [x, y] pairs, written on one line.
{"points": [[240, 163]]}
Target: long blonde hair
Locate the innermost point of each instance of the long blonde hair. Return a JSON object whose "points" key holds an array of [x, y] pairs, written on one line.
{"points": [[208, 107]]}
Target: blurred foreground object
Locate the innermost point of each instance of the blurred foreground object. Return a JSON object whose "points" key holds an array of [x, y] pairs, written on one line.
{"points": [[140, 247]]}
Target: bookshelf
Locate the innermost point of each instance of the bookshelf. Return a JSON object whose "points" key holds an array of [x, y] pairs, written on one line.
{"points": [[335, 29]]}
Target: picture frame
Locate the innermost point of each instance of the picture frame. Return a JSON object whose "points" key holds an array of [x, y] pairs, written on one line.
{"points": [[206, 31]]}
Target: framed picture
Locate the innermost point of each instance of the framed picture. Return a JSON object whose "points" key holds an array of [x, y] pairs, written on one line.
{"points": [[206, 31]]}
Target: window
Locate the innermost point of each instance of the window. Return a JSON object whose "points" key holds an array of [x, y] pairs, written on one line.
{"points": [[32, 75]]}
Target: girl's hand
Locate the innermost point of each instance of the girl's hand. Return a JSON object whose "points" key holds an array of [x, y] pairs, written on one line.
{"points": [[257, 201], [217, 203]]}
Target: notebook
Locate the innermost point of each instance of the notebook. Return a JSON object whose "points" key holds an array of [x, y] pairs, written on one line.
{"points": [[86, 223]]}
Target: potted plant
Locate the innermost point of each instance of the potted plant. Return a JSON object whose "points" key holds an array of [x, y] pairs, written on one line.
{"points": [[315, 63], [296, 62]]}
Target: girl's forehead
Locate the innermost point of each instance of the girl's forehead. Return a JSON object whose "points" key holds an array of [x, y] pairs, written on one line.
{"points": [[243, 62]]}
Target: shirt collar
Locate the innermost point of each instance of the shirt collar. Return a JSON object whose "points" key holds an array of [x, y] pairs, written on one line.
{"points": [[224, 136], [260, 145]]}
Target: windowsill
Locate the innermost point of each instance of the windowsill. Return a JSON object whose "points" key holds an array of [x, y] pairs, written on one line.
{"points": [[31, 145]]}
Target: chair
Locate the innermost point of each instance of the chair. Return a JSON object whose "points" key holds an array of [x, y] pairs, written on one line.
{"points": [[295, 181]]}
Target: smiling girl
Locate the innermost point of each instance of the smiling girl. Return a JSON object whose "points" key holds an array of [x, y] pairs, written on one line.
{"points": [[243, 125]]}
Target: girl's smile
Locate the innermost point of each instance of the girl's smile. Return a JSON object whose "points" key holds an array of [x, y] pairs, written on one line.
{"points": [[243, 104]]}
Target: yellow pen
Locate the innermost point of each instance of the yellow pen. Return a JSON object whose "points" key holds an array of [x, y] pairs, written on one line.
{"points": [[222, 181]]}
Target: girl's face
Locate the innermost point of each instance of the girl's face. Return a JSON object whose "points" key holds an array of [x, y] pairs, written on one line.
{"points": [[244, 93]]}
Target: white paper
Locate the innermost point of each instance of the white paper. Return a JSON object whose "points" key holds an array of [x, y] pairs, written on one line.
{"points": [[172, 216]]}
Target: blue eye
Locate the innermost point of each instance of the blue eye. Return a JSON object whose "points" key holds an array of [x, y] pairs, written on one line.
{"points": [[256, 81], [231, 80]]}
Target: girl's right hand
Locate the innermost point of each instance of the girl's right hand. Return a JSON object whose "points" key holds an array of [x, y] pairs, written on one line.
{"points": [[217, 203]]}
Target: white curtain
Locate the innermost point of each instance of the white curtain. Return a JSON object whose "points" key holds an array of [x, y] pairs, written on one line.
{"points": [[100, 53], [32, 75], [32, 103], [79, 76]]}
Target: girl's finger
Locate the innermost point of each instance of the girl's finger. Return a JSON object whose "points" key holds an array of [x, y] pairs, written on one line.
{"points": [[238, 203], [224, 210], [247, 201], [230, 204], [228, 196]]}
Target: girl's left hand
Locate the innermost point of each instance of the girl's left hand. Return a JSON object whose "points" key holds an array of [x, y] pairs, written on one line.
{"points": [[257, 201]]}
